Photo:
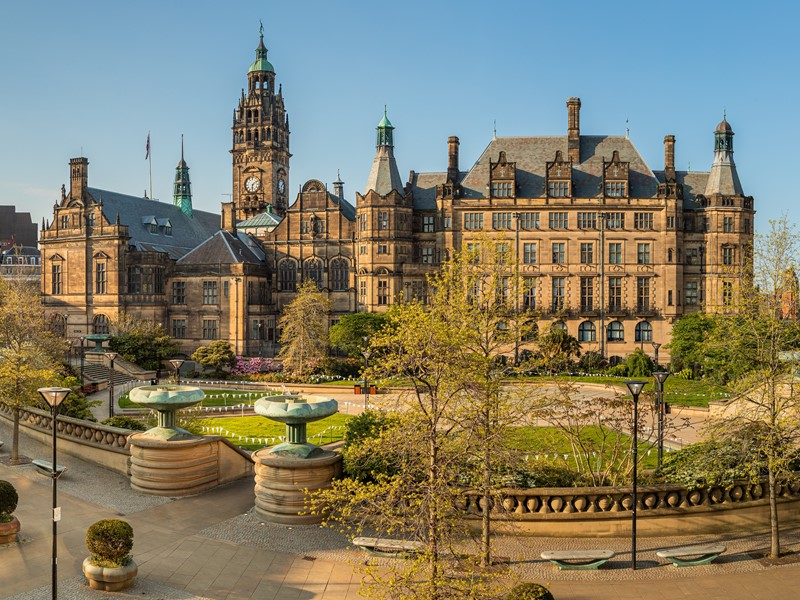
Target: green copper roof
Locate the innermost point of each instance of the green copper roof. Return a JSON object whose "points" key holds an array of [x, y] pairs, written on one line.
{"points": [[385, 120], [261, 63]]}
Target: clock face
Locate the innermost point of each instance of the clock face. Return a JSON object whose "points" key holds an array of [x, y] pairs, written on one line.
{"points": [[281, 186], [252, 184]]}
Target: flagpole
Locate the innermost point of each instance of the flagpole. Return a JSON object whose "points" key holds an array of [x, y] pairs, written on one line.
{"points": [[150, 164]]}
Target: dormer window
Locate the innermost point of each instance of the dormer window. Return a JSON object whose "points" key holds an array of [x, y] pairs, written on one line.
{"points": [[616, 189], [501, 189], [615, 177], [559, 177], [90, 220], [558, 189], [167, 229], [502, 177]]}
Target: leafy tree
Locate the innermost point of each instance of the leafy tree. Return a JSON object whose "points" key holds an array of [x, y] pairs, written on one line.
{"points": [[688, 334], [217, 355], [304, 339], [638, 364], [761, 336], [28, 350], [349, 333], [555, 351], [145, 343]]}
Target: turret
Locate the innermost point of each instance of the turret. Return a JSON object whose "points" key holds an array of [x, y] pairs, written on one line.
{"points": [[182, 192], [723, 178], [384, 176]]}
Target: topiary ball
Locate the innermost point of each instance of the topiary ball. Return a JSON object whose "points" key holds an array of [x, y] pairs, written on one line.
{"points": [[529, 591], [110, 542], [8, 500]]}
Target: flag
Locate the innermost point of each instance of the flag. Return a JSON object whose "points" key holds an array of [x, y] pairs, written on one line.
{"points": [[147, 147]]}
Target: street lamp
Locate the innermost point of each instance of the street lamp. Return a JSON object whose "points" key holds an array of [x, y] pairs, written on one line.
{"points": [[661, 377], [656, 346], [81, 373], [111, 356], [635, 387], [54, 397], [366, 354], [177, 363]]}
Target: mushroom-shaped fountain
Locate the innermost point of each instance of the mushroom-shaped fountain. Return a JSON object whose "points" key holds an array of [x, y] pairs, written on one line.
{"points": [[284, 473], [98, 339], [167, 460]]}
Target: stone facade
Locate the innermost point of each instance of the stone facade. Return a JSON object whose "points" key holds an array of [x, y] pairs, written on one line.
{"points": [[606, 247]]}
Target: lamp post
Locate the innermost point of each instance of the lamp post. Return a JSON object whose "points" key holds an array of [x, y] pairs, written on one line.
{"points": [[656, 346], [660, 377], [111, 356], [177, 363], [54, 397], [81, 372], [635, 387], [366, 354]]}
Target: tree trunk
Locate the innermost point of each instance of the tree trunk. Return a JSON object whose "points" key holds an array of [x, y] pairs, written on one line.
{"points": [[15, 437], [433, 526], [486, 525], [775, 542]]}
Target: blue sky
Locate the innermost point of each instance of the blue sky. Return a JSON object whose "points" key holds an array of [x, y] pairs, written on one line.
{"points": [[93, 77]]}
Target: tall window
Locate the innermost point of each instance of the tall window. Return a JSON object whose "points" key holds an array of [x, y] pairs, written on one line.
{"points": [[615, 293], [426, 255], [643, 254], [587, 220], [501, 251], [529, 254], [615, 220], [100, 278], [559, 257], [362, 222], [179, 292], [428, 223], [473, 221], [529, 220], [587, 253], [587, 293], [615, 332], [179, 328], [362, 291], [727, 224], [340, 275], [210, 293], [135, 280], [383, 220], [209, 329], [642, 220], [64, 221], [56, 277], [502, 289], [587, 332], [558, 293], [727, 293], [287, 276], [100, 324], [727, 255], [691, 293], [643, 293], [383, 292], [644, 332], [313, 271], [615, 253], [559, 220], [558, 189], [529, 293], [501, 220]]}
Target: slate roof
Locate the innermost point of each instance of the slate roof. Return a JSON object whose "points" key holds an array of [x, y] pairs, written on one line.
{"points": [[348, 210], [384, 176], [224, 248], [187, 232], [694, 183]]}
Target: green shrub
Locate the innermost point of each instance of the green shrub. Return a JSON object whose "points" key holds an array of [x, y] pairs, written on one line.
{"points": [[529, 591], [369, 424], [110, 541], [346, 368], [711, 463], [543, 474], [638, 364], [125, 422], [8, 500]]}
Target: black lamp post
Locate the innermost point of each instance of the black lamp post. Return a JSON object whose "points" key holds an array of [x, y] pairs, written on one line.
{"points": [[635, 388], [54, 397], [656, 346], [661, 377], [81, 351], [177, 363], [366, 354], [111, 356]]}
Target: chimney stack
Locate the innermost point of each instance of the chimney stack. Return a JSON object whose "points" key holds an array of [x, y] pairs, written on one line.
{"points": [[669, 157], [78, 177], [574, 129], [228, 219], [452, 159]]}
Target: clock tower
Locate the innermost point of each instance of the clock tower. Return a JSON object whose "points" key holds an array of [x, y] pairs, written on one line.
{"points": [[260, 143]]}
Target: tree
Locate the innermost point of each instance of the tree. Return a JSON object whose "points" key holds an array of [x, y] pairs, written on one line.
{"points": [[145, 343], [218, 355], [688, 335], [349, 333], [304, 338], [555, 350], [760, 335], [28, 350]]}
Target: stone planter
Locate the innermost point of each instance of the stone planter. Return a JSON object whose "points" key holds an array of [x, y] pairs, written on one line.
{"points": [[110, 579], [9, 531]]}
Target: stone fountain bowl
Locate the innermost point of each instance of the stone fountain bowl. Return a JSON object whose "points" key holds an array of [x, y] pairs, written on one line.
{"points": [[166, 397], [294, 409]]}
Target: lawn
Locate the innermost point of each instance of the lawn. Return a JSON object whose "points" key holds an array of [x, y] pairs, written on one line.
{"points": [[214, 397]]}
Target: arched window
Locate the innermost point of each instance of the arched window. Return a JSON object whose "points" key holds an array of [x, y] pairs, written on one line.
{"points": [[287, 276], [100, 324], [58, 325], [615, 332], [340, 274], [587, 332], [644, 332], [530, 331], [312, 269], [559, 326]]}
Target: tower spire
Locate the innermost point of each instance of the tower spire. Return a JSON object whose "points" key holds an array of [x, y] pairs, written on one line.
{"points": [[723, 178], [384, 176], [182, 191]]}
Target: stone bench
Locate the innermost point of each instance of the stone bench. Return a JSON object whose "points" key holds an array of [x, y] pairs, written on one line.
{"points": [[682, 556], [388, 547], [46, 468], [578, 559]]}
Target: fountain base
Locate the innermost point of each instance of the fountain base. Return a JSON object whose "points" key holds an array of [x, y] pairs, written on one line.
{"points": [[175, 467]]}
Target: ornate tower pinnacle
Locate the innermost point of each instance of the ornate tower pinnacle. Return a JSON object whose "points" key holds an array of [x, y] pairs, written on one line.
{"points": [[182, 191], [384, 176]]}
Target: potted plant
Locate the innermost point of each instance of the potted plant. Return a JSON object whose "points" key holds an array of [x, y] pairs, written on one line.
{"points": [[529, 591], [110, 567], [9, 524]]}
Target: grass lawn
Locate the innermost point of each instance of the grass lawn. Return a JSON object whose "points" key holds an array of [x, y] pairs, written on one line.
{"points": [[239, 429], [213, 397]]}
